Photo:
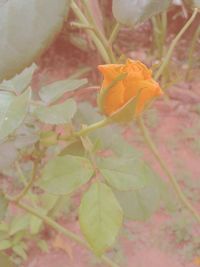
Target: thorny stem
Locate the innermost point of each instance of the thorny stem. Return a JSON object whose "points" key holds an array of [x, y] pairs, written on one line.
{"points": [[171, 177], [173, 44], [77, 11], [60, 229]]}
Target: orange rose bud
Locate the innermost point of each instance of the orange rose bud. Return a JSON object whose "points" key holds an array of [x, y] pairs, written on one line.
{"points": [[136, 82]]}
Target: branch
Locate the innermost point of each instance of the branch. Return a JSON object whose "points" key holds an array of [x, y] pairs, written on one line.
{"points": [[183, 199]]}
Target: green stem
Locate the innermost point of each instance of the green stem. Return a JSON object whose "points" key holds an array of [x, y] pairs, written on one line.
{"points": [[185, 202], [29, 184], [20, 173], [173, 44], [155, 32], [62, 230], [81, 26], [159, 23], [92, 127], [77, 11], [80, 72], [164, 25], [191, 51], [114, 33], [99, 34]]}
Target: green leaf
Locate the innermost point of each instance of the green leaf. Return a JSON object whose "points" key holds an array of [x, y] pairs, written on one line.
{"points": [[3, 206], [124, 173], [47, 202], [43, 245], [3, 234], [100, 217], [5, 100], [19, 223], [140, 204], [62, 206], [48, 138], [52, 92], [63, 175], [26, 24], [57, 114], [131, 12], [5, 261], [4, 227], [5, 244], [8, 154], [122, 148], [18, 237], [20, 251], [76, 149], [14, 114], [21, 81], [36, 223]]}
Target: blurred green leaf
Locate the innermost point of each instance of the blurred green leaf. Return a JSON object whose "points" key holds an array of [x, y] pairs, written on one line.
{"points": [[18, 237], [5, 244], [52, 92], [8, 154], [62, 206], [26, 24], [122, 148], [63, 175], [43, 245], [48, 138], [100, 217], [36, 223], [19, 223], [131, 12], [87, 114], [57, 114], [5, 261], [3, 206], [47, 202], [20, 251], [5, 100], [140, 204], [21, 81], [124, 173], [4, 227], [12, 116], [76, 149], [3, 232], [27, 134]]}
